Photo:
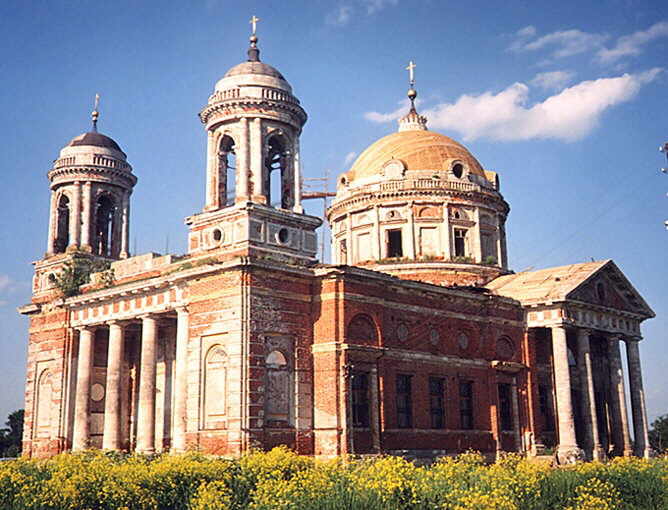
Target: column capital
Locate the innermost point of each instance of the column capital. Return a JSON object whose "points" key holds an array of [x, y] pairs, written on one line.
{"points": [[89, 327], [181, 309], [146, 316], [584, 331], [630, 339], [117, 322]]}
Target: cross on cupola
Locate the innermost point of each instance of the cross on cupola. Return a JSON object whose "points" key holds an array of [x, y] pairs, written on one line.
{"points": [[95, 114], [254, 51], [412, 121]]}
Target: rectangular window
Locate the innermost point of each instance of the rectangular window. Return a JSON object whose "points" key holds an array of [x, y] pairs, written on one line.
{"points": [[360, 390], [404, 402], [544, 403], [460, 242], [505, 407], [436, 402], [394, 244], [466, 404], [343, 252]]}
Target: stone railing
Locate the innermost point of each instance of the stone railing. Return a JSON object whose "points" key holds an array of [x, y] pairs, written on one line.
{"points": [[428, 184]]}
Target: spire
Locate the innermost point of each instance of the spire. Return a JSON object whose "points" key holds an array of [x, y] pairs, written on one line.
{"points": [[253, 50], [95, 114], [412, 121]]}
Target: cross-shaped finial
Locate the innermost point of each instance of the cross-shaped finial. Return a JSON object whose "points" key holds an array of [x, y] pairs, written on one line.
{"points": [[95, 113], [97, 101], [411, 74], [253, 22]]}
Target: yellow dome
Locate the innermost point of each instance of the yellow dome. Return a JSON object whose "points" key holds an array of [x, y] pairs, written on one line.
{"points": [[419, 150]]}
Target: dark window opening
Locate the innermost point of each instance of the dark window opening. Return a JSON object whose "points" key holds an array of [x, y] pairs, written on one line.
{"points": [[226, 172], [458, 170], [545, 406], [63, 225], [404, 402], [278, 183], [505, 407], [343, 252], [460, 242], [394, 244], [436, 402], [360, 390], [104, 226], [466, 405]]}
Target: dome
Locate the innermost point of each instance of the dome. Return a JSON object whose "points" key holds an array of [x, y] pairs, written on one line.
{"points": [[94, 139], [418, 150], [254, 68]]}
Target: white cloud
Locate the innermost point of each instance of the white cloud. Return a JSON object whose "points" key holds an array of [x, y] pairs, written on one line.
{"points": [[344, 13], [394, 115], [632, 45], [373, 6], [564, 43], [553, 80], [569, 115], [349, 158], [339, 16]]}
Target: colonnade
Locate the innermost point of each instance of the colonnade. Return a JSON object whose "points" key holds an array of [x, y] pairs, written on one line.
{"points": [[618, 416], [112, 437]]}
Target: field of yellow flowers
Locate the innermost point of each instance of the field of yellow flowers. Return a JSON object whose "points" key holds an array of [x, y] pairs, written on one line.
{"points": [[281, 479]]}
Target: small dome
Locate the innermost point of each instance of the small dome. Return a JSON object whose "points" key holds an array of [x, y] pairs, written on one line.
{"points": [[94, 139], [253, 68], [418, 150]]}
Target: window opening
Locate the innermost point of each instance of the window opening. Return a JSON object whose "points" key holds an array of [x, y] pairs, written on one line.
{"points": [[458, 170], [460, 242], [104, 226], [343, 252], [466, 404], [360, 391], [394, 244], [227, 165], [505, 407], [63, 225], [436, 402], [404, 402], [545, 407], [278, 185], [278, 388]]}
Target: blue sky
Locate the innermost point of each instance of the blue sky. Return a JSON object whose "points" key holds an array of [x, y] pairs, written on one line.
{"points": [[566, 100]]}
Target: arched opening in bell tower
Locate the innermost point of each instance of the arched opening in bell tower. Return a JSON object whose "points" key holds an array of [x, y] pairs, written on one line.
{"points": [[104, 226], [227, 166], [278, 184], [62, 225]]}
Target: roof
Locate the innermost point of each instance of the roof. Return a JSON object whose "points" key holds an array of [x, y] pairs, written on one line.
{"points": [[94, 139], [566, 282], [251, 67], [418, 150]]}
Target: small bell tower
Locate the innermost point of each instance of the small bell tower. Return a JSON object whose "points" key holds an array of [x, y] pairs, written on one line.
{"points": [[253, 173]]}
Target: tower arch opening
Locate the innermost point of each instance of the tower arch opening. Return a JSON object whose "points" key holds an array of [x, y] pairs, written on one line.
{"points": [[278, 172], [105, 225], [62, 224], [227, 167]]}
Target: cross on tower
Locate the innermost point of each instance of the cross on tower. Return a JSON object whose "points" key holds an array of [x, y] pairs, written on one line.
{"points": [[253, 22], [411, 75]]}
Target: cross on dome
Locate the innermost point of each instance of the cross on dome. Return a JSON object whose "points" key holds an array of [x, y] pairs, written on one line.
{"points": [[411, 75], [95, 114], [253, 21]]}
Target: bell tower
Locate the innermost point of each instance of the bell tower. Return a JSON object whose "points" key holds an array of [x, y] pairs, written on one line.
{"points": [[253, 174]]}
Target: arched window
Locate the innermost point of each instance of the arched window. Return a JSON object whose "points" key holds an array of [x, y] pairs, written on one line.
{"points": [[215, 382], [505, 349], [278, 172], [105, 220], [43, 405], [277, 399], [226, 171], [62, 224], [362, 330]]}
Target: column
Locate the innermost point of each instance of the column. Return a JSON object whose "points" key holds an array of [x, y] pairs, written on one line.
{"points": [[595, 451], [125, 225], [516, 416], [298, 178], [637, 398], [111, 439], [181, 381], [86, 215], [378, 249], [411, 252], [75, 215], [374, 415], [53, 213], [568, 450], [80, 433], [620, 419], [211, 173], [259, 193], [146, 411], [351, 253], [243, 164]]}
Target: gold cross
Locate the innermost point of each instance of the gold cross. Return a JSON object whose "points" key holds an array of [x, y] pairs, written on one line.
{"points": [[253, 22], [411, 75], [97, 101]]}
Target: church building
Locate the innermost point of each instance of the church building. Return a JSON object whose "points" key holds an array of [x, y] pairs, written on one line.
{"points": [[416, 340]]}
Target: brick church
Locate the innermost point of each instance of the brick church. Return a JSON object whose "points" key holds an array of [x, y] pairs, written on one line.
{"points": [[416, 340]]}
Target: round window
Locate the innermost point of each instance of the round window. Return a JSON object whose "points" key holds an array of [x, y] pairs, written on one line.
{"points": [[434, 337], [97, 392], [458, 170], [217, 235], [463, 341], [402, 332], [283, 236]]}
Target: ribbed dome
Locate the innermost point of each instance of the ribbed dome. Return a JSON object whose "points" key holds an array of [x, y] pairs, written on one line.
{"points": [[254, 68], [418, 150], [94, 139]]}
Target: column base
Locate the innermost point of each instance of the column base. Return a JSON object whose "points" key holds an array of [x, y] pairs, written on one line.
{"points": [[87, 248], [298, 209], [598, 454], [645, 453], [569, 454]]}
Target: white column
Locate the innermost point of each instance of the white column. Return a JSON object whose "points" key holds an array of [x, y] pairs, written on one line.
{"points": [[243, 163], [125, 225], [640, 429], [75, 215], [53, 214], [378, 252], [620, 418], [80, 432], [181, 381], [146, 411], [411, 252], [298, 178], [256, 163], [568, 450], [351, 254], [86, 216], [111, 439], [211, 173], [588, 396]]}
